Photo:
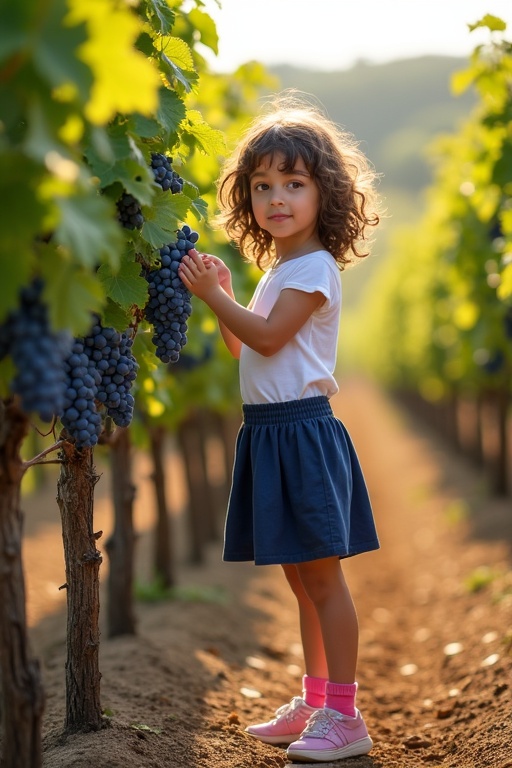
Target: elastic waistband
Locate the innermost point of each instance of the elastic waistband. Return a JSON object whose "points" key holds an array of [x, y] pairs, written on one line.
{"points": [[283, 413]]}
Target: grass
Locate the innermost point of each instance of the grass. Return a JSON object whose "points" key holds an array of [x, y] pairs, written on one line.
{"points": [[156, 592]]}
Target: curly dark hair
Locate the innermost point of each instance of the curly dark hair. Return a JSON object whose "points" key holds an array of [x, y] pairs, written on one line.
{"points": [[344, 176]]}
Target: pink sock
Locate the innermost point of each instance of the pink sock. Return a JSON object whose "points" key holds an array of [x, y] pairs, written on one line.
{"points": [[342, 698], [313, 690]]}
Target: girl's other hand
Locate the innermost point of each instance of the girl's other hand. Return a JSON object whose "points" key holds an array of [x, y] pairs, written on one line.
{"points": [[222, 270], [198, 274]]}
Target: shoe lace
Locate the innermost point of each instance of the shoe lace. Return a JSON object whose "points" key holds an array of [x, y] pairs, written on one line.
{"points": [[290, 707], [320, 722]]}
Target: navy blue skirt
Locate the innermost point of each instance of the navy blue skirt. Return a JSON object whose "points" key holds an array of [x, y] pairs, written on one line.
{"points": [[298, 491]]}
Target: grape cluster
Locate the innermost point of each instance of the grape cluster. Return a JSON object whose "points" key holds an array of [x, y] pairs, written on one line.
{"points": [[112, 352], [79, 416], [100, 369], [129, 212], [37, 353], [164, 174], [169, 305]]}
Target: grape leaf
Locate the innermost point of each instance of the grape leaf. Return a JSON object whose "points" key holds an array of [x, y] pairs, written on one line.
{"points": [[15, 276], [175, 73], [205, 26], [178, 51], [126, 287], [161, 220], [114, 316], [71, 292], [209, 139], [89, 229], [165, 15], [200, 208], [56, 47], [125, 81], [171, 110]]}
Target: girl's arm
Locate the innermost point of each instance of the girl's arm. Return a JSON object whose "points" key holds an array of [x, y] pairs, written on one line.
{"points": [[265, 335], [231, 341]]}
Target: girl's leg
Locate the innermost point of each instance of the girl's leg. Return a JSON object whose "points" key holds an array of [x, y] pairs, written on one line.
{"points": [[310, 629], [326, 588], [338, 730]]}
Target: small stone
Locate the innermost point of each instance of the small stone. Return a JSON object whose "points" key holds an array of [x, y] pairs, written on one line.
{"points": [[250, 693], [255, 662], [452, 649], [416, 742], [408, 669]]}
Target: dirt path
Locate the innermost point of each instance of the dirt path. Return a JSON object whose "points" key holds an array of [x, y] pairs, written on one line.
{"points": [[436, 654]]}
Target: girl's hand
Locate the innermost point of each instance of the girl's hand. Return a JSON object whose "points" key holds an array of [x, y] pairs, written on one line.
{"points": [[222, 270], [198, 274]]}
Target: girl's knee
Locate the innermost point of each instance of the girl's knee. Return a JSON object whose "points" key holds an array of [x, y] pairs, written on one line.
{"points": [[321, 583]]}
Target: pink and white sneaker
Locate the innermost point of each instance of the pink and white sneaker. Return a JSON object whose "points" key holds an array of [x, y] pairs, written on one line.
{"points": [[288, 724], [329, 735]]}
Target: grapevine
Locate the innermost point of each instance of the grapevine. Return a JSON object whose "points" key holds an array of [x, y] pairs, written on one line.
{"points": [[169, 305]]}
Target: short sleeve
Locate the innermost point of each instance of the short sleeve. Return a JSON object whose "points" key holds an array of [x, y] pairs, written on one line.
{"points": [[317, 272]]}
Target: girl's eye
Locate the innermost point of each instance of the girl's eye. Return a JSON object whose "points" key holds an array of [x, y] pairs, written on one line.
{"points": [[261, 187], [295, 184]]}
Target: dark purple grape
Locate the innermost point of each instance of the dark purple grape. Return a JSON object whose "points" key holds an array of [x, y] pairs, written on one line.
{"points": [[38, 354], [129, 212], [164, 174], [169, 305]]}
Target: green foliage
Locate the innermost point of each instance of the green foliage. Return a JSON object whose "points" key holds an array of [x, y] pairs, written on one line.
{"points": [[81, 111], [439, 311]]}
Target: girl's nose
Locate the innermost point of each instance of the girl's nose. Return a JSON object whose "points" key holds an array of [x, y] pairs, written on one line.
{"points": [[276, 199]]}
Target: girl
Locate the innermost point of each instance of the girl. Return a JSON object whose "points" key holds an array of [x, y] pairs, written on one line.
{"points": [[297, 197]]}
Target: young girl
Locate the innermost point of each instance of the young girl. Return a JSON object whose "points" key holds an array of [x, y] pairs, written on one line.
{"points": [[298, 198]]}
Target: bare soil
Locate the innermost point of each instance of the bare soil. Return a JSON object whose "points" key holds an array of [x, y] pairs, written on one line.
{"points": [[434, 604]]}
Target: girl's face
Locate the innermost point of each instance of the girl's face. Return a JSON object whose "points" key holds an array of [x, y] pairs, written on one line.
{"points": [[285, 203]]}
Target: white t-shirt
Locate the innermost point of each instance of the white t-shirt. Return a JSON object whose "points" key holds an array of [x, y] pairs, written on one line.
{"points": [[304, 367]]}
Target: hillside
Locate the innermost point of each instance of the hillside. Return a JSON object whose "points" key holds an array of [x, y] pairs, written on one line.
{"points": [[393, 109]]}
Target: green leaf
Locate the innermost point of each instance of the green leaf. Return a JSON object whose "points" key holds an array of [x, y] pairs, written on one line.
{"points": [[461, 81], [44, 117], [72, 293], [16, 272], [173, 73], [122, 162], [126, 287], [55, 51], [200, 208], [114, 316], [144, 127], [178, 51], [161, 220], [165, 16], [209, 139], [171, 110], [89, 229], [205, 26], [125, 80], [14, 28], [22, 218], [493, 23]]}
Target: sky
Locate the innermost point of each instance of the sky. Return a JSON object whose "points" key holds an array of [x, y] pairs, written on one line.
{"points": [[335, 34]]}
